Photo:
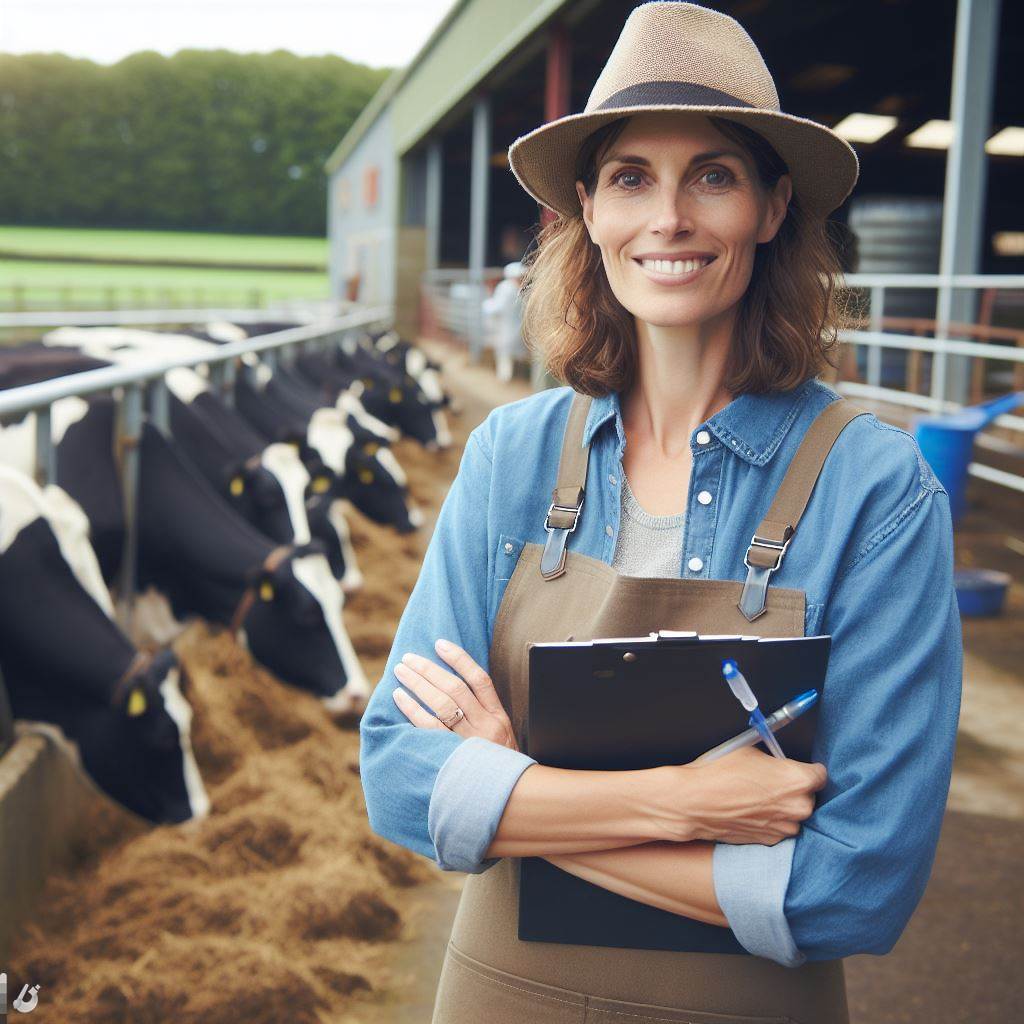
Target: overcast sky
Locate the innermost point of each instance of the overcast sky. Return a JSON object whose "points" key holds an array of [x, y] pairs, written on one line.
{"points": [[375, 32]]}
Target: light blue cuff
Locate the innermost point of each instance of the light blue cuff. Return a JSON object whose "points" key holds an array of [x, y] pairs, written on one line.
{"points": [[468, 799], [750, 885]]}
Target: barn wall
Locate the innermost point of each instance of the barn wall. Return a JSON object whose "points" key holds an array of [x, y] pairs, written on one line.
{"points": [[361, 204]]}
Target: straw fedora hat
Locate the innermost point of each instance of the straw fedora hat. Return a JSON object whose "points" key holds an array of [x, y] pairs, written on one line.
{"points": [[681, 56]]}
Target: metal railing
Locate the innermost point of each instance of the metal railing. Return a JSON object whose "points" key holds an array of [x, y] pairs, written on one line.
{"points": [[941, 347], [132, 381]]}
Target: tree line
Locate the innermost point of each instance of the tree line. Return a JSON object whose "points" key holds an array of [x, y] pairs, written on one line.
{"points": [[203, 140]]}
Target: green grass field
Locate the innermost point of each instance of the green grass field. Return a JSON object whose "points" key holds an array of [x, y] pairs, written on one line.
{"points": [[174, 245], [52, 284]]}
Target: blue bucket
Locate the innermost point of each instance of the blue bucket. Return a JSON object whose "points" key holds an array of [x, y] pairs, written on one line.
{"points": [[948, 441], [980, 592]]}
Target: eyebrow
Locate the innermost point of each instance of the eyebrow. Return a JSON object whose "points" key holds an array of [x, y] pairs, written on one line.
{"points": [[632, 158]]}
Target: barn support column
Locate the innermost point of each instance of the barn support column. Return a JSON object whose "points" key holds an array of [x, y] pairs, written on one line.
{"points": [[557, 99], [432, 212], [129, 434], [963, 212], [479, 181]]}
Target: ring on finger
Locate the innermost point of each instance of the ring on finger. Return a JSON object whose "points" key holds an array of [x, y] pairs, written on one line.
{"points": [[452, 719]]}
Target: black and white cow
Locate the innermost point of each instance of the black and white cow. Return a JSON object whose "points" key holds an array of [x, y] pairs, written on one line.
{"points": [[67, 664], [264, 480], [410, 358], [370, 478], [198, 556]]}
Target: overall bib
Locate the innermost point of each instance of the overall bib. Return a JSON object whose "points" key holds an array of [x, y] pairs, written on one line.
{"points": [[489, 975]]}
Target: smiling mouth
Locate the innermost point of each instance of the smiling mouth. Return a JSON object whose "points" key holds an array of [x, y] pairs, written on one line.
{"points": [[675, 267]]}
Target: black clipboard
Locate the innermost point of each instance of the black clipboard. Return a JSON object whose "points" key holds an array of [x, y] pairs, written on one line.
{"points": [[641, 702]]}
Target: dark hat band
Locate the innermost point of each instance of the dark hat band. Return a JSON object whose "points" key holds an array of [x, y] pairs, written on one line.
{"points": [[670, 93]]}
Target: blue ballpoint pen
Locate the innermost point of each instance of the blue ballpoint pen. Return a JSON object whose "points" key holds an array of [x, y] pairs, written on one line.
{"points": [[741, 690], [789, 712]]}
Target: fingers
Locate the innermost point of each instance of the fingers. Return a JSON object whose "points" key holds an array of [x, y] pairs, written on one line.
{"points": [[476, 678], [440, 695], [420, 718]]}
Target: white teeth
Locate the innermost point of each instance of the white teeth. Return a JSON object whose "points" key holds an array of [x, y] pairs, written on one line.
{"points": [[675, 266]]}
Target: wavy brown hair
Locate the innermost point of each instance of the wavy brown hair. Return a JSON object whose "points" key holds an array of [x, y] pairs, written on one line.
{"points": [[788, 319]]}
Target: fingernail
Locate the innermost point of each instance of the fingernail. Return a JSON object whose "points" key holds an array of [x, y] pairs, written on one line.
{"points": [[444, 647]]}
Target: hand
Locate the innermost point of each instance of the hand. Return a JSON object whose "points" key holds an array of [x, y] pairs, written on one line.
{"points": [[745, 797], [444, 691]]}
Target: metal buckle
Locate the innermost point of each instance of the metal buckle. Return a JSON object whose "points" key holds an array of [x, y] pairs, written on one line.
{"points": [[762, 542], [563, 508]]}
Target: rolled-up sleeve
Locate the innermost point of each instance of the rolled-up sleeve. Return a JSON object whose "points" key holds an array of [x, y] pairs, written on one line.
{"points": [[850, 880], [450, 819]]}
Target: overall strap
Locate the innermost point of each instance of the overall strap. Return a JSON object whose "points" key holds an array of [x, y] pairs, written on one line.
{"points": [[772, 537], [567, 496]]}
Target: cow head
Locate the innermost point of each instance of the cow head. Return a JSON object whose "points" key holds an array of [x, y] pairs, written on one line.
{"points": [[377, 485], [292, 623], [153, 771]]}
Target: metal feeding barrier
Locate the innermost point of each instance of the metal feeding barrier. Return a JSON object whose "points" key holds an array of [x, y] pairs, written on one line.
{"points": [[128, 385]]}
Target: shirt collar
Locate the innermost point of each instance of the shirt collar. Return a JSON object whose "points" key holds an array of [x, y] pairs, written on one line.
{"points": [[751, 426]]}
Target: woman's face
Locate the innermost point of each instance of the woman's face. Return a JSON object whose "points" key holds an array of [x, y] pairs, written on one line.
{"points": [[673, 193]]}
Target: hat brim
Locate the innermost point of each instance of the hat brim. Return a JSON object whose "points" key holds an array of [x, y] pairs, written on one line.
{"points": [[823, 166]]}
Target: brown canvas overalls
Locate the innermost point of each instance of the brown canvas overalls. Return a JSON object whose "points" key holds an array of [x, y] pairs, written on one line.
{"points": [[489, 975]]}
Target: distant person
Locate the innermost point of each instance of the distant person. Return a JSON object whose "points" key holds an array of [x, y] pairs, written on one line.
{"points": [[514, 243], [504, 307]]}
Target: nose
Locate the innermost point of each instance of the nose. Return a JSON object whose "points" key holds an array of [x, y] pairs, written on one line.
{"points": [[671, 215]]}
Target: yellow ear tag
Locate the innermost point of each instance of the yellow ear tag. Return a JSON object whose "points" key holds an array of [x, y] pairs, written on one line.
{"points": [[136, 703], [395, 394], [267, 591], [237, 485], [321, 485], [368, 382], [371, 447], [366, 476]]}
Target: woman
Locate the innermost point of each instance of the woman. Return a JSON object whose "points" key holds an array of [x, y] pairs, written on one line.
{"points": [[685, 293]]}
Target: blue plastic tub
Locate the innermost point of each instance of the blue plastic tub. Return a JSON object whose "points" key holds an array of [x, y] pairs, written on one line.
{"points": [[980, 592]]}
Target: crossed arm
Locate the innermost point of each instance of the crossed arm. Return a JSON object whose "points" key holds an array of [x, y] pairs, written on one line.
{"points": [[599, 828]]}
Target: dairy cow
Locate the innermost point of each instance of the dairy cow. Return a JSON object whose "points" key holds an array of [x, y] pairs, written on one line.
{"points": [[372, 480], [67, 664], [198, 556]]}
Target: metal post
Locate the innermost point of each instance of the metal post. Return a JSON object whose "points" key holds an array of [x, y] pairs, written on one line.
{"points": [[128, 436], [160, 406], [479, 175], [963, 213], [228, 390], [46, 456], [874, 369], [432, 214]]}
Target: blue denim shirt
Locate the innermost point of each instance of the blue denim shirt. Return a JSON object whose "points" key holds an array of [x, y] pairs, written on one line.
{"points": [[873, 554]]}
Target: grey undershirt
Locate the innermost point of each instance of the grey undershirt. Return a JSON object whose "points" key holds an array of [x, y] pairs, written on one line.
{"points": [[647, 545]]}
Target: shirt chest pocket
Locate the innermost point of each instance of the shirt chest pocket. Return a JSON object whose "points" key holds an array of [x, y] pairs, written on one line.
{"points": [[505, 558]]}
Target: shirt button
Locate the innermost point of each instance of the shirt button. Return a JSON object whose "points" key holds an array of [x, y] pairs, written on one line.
{"points": [[695, 565], [703, 437], [608, 529], [611, 479], [508, 548], [704, 497]]}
